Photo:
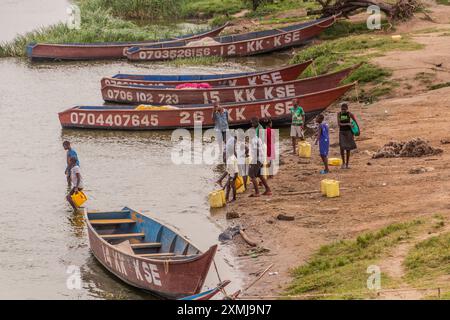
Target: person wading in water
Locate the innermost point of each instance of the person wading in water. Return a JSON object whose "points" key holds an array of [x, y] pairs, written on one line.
{"points": [[346, 139], [71, 153], [76, 179], [297, 125]]}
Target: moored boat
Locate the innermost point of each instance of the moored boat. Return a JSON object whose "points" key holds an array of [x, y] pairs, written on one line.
{"points": [[158, 118], [103, 50], [279, 75], [147, 254], [207, 295], [235, 45], [169, 95]]}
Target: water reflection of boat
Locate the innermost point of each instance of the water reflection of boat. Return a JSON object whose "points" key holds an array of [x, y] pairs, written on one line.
{"points": [[240, 114], [102, 50], [278, 75], [147, 254]]}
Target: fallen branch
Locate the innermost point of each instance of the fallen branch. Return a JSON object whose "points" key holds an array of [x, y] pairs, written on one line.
{"points": [[246, 238]]}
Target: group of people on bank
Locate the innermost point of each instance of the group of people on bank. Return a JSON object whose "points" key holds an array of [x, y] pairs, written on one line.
{"points": [[253, 158]]}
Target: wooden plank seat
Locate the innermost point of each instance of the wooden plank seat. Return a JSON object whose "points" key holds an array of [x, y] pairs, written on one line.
{"points": [[109, 212], [111, 221], [122, 236], [146, 245], [150, 255]]}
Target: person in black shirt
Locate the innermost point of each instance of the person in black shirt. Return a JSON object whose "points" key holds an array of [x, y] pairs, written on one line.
{"points": [[346, 139]]}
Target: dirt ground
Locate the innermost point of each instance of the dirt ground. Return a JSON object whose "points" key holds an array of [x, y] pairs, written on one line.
{"points": [[374, 192]]}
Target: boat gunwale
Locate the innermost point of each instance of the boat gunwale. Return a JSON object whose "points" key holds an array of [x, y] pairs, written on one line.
{"points": [[210, 106], [163, 88], [137, 49], [249, 74], [125, 43]]}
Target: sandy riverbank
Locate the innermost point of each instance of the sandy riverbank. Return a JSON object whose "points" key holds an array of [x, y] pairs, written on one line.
{"points": [[377, 192]]}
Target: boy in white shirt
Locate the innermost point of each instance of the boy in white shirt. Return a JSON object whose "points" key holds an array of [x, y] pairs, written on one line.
{"points": [[76, 180]]}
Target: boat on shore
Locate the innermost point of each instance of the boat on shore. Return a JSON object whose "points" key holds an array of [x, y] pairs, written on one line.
{"points": [[207, 295], [169, 95], [147, 254], [122, 117], [103, 50], [278, 75], [235, 45]]}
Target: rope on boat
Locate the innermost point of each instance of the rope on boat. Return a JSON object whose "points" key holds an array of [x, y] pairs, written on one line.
{"points": [[222, 290], [166, 266], [329, 25]]}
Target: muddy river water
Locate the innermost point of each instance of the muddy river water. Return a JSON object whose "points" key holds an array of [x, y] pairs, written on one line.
{"points": [[42, 242]]}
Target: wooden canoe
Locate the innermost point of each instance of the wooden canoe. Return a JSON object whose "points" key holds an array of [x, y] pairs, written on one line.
{"points": [[102, 50], [147, 254], [166, 95], [235, 45], [207, 295], [128, 118], [279, 75]]}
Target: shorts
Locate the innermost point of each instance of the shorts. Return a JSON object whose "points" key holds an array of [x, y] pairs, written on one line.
{"points": [[324, 147], [297, 131], [254, 170]]}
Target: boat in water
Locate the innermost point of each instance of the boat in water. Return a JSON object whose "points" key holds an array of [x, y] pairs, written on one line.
{"points": [[103, 50], [278, 75], [121, 117], [170, 95], [245, 44], [147, 254]]}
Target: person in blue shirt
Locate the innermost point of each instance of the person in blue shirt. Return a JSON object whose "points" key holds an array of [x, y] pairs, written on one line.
{"points": [[323, 138], [71, 153]]}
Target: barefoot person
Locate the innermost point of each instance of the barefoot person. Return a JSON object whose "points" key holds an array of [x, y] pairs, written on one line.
{"points": [[232, 170], [257, 155], [324, 141], [346, 139], [76, 180], [71, 153], [297, 125]]}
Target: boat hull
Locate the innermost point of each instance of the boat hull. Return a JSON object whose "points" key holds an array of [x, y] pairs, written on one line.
{"points": [[248, 47], [168, 279], [280, 75], [170, 96], [98, 51], [239, 114]]}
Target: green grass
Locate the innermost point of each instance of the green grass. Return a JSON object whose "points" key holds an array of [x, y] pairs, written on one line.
{"points": [[439, 86], [428, 260], [337, 54], [97, 25], [142, 9], [211, 8], [280, 6], [443, 2], [339, 269]]}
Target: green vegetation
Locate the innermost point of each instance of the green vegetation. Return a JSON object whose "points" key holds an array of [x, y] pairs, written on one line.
{"points": [[268, 8], [444, 2], [429, 260], [97, 25], [439, 86], [337, 54], [141, 9], [211, 8], [340, 269]]}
